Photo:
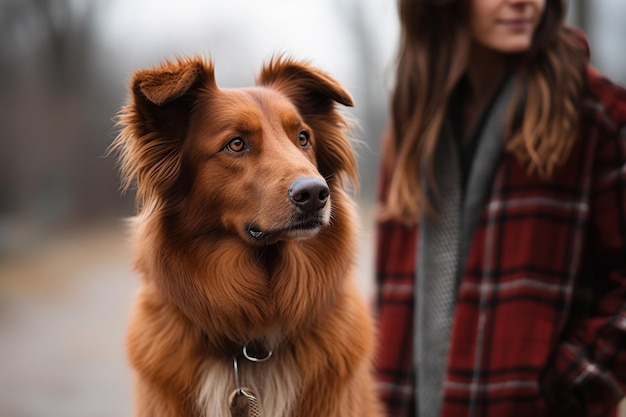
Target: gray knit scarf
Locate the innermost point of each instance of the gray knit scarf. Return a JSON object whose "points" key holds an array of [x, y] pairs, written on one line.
{"points": [[443, 245]]}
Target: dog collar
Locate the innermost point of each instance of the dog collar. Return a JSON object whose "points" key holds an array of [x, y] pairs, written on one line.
{"points": [[255, 351], [243, 402]]}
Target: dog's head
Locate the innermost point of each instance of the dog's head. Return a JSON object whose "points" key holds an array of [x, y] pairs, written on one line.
{"points": [[262, 162]]}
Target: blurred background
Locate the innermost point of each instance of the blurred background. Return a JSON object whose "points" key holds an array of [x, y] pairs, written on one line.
{"points": [[66, 280]]}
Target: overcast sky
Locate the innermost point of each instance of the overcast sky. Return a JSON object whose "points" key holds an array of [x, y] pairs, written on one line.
{"points": [[241, 34]]}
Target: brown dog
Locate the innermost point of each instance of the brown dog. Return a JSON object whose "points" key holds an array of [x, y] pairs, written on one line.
{"points": [[246, 245]]}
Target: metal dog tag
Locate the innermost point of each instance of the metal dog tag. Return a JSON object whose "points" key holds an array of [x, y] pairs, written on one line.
{"points": [[243, 403]]}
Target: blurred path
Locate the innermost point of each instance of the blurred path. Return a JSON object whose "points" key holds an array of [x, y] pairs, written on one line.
{"points": [[63, 312]]}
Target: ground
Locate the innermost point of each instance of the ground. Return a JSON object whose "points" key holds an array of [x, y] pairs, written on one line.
{"points": [[64, 306]]}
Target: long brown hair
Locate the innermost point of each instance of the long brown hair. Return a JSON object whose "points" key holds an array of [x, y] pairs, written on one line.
{"points": [[434, 43]]}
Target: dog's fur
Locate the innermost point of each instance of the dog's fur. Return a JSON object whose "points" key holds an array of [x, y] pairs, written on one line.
{"points": [[228, 255]]}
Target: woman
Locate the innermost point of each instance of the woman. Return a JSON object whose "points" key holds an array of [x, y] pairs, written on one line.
{"points": [[501, 262]]}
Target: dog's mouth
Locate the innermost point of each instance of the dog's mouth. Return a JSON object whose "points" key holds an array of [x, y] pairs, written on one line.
{"points": [[301, 229]]}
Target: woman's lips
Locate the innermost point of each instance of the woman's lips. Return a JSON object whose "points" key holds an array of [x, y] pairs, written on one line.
{"points": [[516, 24]]}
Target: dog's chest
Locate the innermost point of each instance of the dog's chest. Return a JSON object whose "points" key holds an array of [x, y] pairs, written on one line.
{"points": [[275, 384]]}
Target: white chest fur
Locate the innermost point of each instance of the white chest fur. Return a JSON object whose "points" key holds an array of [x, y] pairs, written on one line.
{"points": [[276, 383]]}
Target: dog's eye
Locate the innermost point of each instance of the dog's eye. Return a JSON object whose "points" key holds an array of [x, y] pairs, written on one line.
{"points": [[236, 145], [304, 138]]}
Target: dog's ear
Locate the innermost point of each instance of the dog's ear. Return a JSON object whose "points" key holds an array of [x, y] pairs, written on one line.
{"points": [[162, 96], [302, 82], [154, 123], [315, 94]]}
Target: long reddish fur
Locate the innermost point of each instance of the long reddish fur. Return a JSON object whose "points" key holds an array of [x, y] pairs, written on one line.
{"points": [[204, 287]]}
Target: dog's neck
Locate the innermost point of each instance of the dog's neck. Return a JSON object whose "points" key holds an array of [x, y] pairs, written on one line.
{"points": [[234, 292], [258, 349]]}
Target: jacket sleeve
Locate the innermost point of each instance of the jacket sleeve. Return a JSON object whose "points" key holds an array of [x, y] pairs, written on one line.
{"points": [[588, 374]]}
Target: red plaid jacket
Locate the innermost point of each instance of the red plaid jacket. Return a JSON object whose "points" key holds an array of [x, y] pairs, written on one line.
{"points": [[540, 319]]}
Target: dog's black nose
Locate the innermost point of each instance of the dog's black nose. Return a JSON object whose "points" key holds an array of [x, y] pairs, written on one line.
{"points": [[309, 194]]}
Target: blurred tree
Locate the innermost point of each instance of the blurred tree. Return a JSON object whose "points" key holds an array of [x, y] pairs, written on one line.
{"points": [[370, 109], [57, 114], [57, 34], [580, 11]]}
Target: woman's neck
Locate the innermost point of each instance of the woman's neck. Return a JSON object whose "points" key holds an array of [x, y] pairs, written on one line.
{"points": [[485, 71]]}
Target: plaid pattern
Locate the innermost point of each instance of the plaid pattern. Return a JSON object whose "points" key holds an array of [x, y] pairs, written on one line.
{"points": [[540, 320]]}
